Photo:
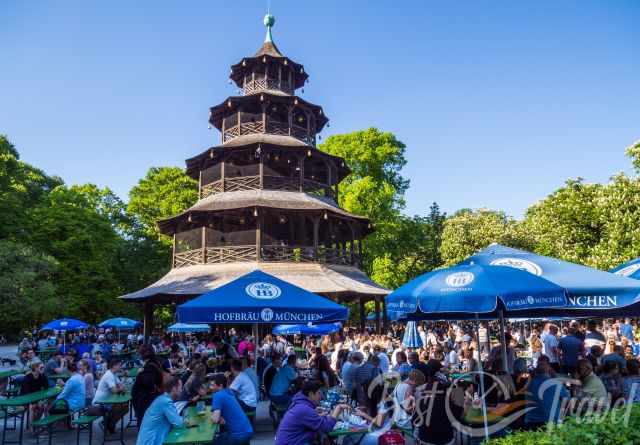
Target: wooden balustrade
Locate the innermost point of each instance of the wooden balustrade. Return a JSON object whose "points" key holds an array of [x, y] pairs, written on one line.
{"points": [[273, 127], [268, 253], [269, 183], [259, 85]]}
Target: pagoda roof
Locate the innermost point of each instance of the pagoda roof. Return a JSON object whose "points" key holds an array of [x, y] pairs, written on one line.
{"points": [[218, 112], [184, 283], [196, 163], [273, 199]]}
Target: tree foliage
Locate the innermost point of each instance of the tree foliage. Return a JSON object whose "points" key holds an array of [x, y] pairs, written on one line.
{"points": [[163, 192]]}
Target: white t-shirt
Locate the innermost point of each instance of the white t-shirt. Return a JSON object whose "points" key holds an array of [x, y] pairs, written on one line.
{"points": [[107, 383], [243, 386], [549, 343]]}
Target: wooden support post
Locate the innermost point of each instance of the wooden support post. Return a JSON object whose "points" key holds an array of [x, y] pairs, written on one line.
{"points": [[200, 184], [301, 161], [385, 318], [148, 320], [316, 232], [204, 245], [173, 252], [259, 235], [377, 300], [261, 169], [224, 160], [363, 316]]}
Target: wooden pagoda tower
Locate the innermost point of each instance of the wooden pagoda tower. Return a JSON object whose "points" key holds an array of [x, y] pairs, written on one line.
{"points": [[268, 197]]}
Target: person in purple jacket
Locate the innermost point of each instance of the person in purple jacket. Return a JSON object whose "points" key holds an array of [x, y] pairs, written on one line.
{"points": [[301, 422]]}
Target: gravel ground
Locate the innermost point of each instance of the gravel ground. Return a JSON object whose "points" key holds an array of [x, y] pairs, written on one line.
{"points": [[264, 434]]}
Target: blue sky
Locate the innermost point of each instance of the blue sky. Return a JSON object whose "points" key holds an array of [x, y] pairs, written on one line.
{"points": [[498, 102]]}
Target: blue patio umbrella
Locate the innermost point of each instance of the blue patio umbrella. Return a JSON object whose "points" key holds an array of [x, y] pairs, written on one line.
{"points": [[469, 291], [307, 329], [391, 315], [590, 292], [411, 338], [188, 328], [120, 323], [258, 297], [64, 324], [630, 269]]}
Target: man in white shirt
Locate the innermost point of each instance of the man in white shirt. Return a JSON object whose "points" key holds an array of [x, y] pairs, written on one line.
{"points": [[243, 387], [109, 385], [550, 346], [423, 336]]}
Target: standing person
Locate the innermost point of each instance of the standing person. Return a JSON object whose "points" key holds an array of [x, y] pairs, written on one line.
{"points": [[483, 338], [626, 330], [593, 336], [571, 349], [496, 353], [226, 411], [161, 415], [148, 384], [89, 386], [550, 346], [243, 387], [383, 357], [302, 422]]}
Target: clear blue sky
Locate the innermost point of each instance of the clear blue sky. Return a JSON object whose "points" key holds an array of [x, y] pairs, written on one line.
{"points": [[498, 102]]}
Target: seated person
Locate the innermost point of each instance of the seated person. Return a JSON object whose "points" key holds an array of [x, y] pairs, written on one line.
{"points": [[227, 412], [161, 415], [108, 385], [55, 365], [302, 422], [283, 379], [541, 396], [73, 393], [194, 387], [32, 382], [270, 372], [243, 387]]}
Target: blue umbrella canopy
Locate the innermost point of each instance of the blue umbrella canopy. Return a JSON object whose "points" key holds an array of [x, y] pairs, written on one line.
{"points": [[630, 269], [411, 338], [462, 291], [391, 315], [590, 292], [188, 328], [64, 324], [307, 329], [258, 297], [120, 323]]}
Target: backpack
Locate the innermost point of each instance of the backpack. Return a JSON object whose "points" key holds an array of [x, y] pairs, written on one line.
{"points": [[391, 437]]}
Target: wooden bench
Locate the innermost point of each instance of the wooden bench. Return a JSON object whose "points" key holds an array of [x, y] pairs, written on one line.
{"points": [[46, 424], [84, 422], [12, 412]]}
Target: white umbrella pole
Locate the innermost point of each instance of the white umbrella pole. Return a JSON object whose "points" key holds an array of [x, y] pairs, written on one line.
{"points": [[482, 394], [505, 362]]}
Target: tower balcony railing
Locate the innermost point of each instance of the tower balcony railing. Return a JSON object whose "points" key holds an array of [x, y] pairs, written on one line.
{"points": [[269, 182], [275, 127], [260, 85], [270, 253]]}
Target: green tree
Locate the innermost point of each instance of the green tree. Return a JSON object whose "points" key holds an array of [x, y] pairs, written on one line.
{"points": [[163, 192], [468, 231], [28, 294], [411, 247], [375, 187], [21, 187]]}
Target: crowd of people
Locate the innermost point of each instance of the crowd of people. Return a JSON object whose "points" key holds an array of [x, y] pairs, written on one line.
{"points": [[380, 379]]}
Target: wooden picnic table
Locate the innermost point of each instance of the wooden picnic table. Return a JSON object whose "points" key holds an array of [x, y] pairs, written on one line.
{"points": [[24, 401], [199, 429], [115, 399]]}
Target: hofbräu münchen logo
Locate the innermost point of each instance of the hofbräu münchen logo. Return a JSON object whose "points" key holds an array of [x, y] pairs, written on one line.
{"points": [[263, 291]]}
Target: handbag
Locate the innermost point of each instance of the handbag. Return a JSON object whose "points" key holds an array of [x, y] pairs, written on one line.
{"points": [[391, 438]]}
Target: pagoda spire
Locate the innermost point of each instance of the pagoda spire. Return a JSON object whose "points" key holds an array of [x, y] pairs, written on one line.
{"points": [[269, 47]]}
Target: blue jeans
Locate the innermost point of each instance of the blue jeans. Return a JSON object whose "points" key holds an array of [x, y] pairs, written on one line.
{"points": [[225, 438]]}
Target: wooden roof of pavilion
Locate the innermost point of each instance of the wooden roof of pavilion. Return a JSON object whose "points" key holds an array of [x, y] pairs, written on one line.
{"points": [[274, 199], [266, 140], [218, 112], [183, 283]]}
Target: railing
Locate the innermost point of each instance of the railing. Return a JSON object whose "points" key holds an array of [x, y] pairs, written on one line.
{"points": [[258, 85], [269, 183], [268, 253], [273, 127]]}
